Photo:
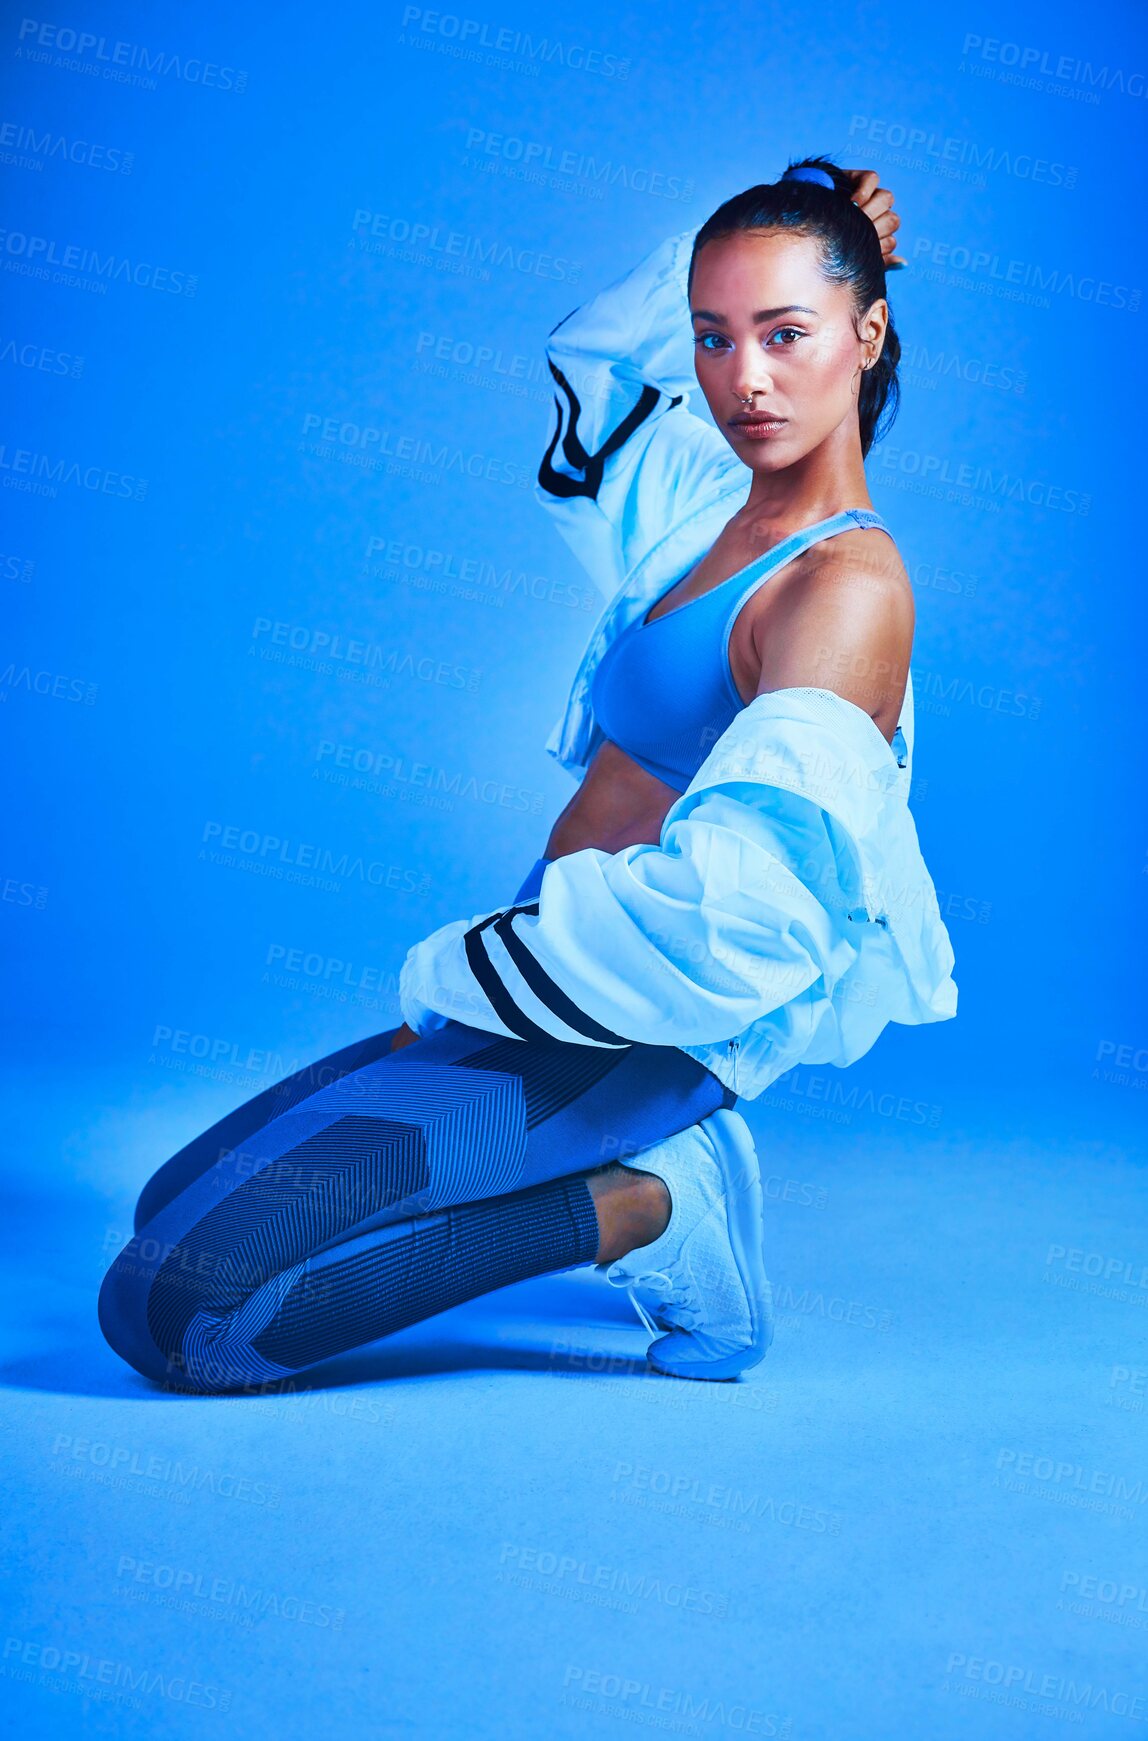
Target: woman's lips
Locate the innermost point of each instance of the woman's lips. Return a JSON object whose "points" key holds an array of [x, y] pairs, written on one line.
{"points": [[762, 429]]}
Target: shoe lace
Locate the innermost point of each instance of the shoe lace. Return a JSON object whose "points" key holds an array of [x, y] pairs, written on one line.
{"points": [[686, 1313]]}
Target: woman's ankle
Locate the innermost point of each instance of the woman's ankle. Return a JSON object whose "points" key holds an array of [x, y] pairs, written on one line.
{"points": [[633, 1209]]}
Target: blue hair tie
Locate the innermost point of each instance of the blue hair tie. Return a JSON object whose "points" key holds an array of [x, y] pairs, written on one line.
{"points": [[810, 174]]}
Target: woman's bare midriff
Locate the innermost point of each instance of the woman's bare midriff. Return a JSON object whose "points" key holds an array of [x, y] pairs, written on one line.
{"points": [[617, 804]]}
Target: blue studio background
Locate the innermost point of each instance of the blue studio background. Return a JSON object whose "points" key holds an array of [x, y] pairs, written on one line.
{"points": [[284, 633]]}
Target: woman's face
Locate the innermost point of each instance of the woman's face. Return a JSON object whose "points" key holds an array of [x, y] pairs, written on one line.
{"points": [[767, 322]]}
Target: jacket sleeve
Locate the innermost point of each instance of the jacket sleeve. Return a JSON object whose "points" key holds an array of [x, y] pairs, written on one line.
{"points": [[743, 905], [677, 944], [625, 445], [792, 843]]}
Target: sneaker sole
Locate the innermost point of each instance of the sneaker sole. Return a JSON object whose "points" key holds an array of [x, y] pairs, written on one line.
{"points": [[745, 1221]]}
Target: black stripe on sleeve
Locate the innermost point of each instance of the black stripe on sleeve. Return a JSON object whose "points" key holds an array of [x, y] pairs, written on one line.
{"points": [[496, 993], [547, 990], [591, 465]]}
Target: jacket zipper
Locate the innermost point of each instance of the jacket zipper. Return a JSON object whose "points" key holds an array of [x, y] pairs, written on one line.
{"points": [[734, 1046]]}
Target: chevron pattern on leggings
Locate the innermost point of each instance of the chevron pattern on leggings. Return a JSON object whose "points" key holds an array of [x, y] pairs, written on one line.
{"points": [[553, 1074], [463, 1128]]}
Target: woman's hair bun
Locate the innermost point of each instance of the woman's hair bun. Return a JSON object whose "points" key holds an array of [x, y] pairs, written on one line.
{"points": [[810, 172]]}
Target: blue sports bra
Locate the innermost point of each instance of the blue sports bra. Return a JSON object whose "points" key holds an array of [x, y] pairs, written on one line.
{"points": [[663, 691]]}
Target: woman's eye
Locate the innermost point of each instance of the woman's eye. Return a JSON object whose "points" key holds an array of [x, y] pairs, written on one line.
{"points": [[719, 342]]}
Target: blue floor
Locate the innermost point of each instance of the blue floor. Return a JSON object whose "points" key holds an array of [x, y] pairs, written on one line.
{"points": [[923, 1516]]}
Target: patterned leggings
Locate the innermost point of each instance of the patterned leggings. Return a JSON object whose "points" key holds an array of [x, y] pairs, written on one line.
{"points": [[376, 1188]]}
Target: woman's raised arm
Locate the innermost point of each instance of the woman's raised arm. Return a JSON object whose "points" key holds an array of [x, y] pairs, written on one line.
{"points": [[625, 454]]}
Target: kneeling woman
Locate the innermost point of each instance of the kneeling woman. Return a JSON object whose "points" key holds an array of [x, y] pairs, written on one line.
{"points": [[735, 887]]}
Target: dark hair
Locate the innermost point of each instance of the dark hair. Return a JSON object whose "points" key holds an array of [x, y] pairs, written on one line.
{"points": [[850, 251]]}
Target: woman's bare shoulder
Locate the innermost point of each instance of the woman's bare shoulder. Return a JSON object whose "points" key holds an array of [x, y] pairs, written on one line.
{"points": [[861, 559], [846, 624]]}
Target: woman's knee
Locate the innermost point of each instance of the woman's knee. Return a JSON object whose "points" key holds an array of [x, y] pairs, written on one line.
{"points": [[122, 1313], [125, 1309], [123, 1318]]}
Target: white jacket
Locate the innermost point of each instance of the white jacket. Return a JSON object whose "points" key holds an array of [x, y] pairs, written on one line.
{"points": [[786, 914]]}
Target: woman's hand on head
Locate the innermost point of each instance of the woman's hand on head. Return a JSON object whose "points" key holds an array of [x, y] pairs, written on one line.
{"points": [[877, 203]]}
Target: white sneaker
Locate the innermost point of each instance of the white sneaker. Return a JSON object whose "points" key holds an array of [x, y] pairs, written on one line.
{"points": [[706, 1271]]}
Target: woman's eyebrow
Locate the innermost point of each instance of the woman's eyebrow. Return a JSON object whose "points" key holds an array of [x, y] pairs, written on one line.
{"points": [[762, 313]]}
